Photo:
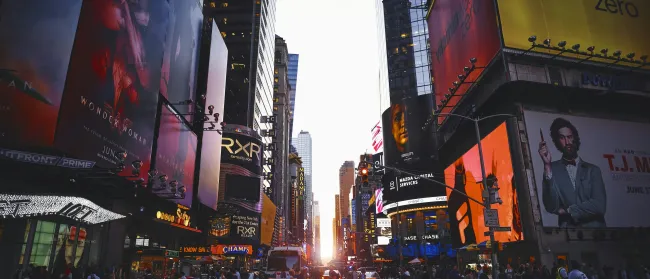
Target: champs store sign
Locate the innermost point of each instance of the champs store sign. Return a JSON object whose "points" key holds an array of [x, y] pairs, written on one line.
{"points": [[232, 250]]}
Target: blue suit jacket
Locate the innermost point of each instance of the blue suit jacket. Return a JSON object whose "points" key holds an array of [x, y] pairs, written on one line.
{"points": [[586, 203]]}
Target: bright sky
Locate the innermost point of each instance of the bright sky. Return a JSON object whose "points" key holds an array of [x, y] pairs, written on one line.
{"points": [[337, 93]]}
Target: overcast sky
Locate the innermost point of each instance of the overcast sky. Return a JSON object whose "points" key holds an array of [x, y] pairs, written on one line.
{"points": [[336, 98]]}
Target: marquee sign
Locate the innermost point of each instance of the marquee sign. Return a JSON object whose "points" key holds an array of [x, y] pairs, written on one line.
{"points": [[196, 250], [180, 217], [79, 209]]}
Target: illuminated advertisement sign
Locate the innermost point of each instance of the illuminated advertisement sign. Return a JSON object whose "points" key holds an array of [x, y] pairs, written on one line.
{"points": [[241, 155], [610, 161], [268, 220], [245, 226], [232, 250], [179, 218], [459, 31], [415, 201], [196, 250], [383, 222], [32, 77], [407, 145], [377, 137], [79, 209], [604, 24], [466, 217], [47, 160]]}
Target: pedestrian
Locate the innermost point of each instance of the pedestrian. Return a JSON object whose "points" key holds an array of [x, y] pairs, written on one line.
{"points": [[576, 273]]}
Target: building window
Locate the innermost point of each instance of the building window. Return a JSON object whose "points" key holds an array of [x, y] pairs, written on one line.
{"points": [[430, 222], [411, 228]]}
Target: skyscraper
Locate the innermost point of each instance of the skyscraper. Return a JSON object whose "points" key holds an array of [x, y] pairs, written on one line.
{"points": [[303, 145], [384, 100], [407, 48], [248, 28], [281, 183], [336, 227], [346, 180], [293, 81]]}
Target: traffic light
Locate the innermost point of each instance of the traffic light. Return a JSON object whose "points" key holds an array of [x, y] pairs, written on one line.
{"points": [[363, 172]]}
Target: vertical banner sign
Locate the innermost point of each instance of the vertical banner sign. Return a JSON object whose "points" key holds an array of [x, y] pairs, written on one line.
{"points": [[301, 183], [37, 38], [111, 91], [377, 137], [214, 96]]}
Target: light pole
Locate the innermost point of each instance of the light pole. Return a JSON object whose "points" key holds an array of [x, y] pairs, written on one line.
{"points": [[486, 203]]}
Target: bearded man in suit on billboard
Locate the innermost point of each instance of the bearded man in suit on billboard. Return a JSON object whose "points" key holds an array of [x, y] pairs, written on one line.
{"points": [[572, 188]]}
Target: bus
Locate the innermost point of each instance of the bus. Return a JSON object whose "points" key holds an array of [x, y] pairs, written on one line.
{"points": [[284, 258]]}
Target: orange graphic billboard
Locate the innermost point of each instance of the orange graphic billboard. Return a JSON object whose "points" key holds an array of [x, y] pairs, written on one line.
{"points": [[466, 218], [615, 25]]}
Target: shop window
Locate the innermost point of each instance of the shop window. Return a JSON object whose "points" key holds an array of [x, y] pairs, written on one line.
{"points": [[411, 228], [430, 222]]}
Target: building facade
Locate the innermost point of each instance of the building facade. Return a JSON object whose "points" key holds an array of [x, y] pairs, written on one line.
{"points": [[346, 181], [336, 227], [303, 145], [248, 28], [384, 92], [293, 81], [559, 118], [316, 232], [281, 183], [407, 48]]}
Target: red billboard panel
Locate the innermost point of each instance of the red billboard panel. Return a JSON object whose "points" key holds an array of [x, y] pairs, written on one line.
{"points": [[176, 155], [459, 31], [464, 175], [37, 38], [111, 93]]}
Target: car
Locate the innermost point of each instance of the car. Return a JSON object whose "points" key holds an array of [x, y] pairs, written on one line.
{"points": [[326, 274]]}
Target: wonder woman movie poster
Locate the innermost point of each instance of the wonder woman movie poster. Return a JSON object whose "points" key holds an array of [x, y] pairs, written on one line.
{"points": [[466, 218], [111, 94], [181, 52], [37, 39], [175, 157]]}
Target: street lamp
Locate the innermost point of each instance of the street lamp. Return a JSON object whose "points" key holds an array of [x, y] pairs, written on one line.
{"points": [[487, 200]]}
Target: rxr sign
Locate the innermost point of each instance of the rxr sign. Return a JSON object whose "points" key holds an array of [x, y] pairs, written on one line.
{"points": [[234, 147], [243, 231]]}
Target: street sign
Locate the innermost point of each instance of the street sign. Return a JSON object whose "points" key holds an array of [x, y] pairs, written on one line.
{"points": [[491, 218], [502, 229]]}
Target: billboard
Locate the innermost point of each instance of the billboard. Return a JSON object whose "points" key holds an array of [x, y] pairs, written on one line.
{"points": [[214, 96], [377, 137], [32, 76], [459, 31], [268, 220], [616, 25], [111, 92], [241, 155], [590, 172], [407, 138], [176, 152], [178, 75], [466, 216], [245, 226]]}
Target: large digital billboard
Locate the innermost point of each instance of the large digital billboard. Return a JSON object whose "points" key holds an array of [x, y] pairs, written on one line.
{"points": [[459, 31], [408, 146], [178, 77], [590, 172], [214, 96], [37, 38], [615, 25], [466, 216], [176, 152], [111, 92], [267, 220], [241, 155]]}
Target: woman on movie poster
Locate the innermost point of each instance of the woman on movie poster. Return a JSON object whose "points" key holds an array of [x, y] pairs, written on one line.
{"points": [[112, 87]]}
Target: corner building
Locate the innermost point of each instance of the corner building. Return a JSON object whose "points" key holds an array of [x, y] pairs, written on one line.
{"points": [[560, 96]]}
